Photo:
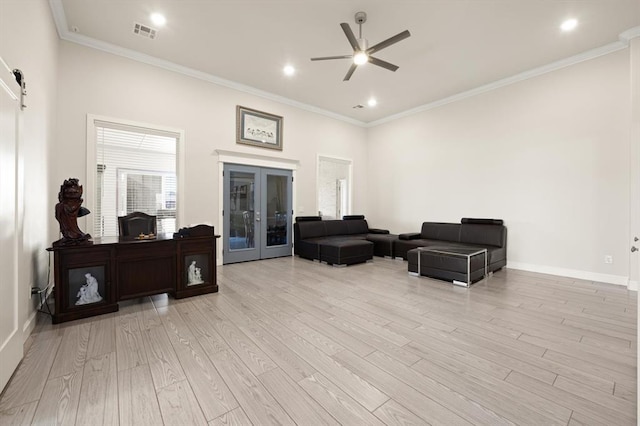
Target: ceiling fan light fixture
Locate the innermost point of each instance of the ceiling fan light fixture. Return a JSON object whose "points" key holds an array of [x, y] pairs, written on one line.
{"points": [[360, 58]]}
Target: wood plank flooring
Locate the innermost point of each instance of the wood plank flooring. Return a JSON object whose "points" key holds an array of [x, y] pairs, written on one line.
{"points": [[289, 341]]}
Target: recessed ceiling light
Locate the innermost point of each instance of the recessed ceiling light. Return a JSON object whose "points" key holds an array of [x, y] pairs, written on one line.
{"points": [[289, 70], [372, 102], [158, 19], [569, 24]]}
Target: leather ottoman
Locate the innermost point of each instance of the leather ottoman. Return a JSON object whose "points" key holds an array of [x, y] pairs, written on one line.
{"points": [[346, 252]]}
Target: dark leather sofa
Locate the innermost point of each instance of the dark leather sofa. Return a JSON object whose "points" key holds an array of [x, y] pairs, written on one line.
{"points": [[470, 233], [339, 242]]}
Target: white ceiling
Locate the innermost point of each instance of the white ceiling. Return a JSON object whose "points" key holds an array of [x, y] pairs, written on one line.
{"points": [[455, 45]]}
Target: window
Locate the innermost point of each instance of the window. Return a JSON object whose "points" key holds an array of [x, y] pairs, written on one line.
{"points": [[135, 171]]}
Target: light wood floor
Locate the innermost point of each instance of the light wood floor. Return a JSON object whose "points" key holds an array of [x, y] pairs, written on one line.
{"points": [[289, 341]]}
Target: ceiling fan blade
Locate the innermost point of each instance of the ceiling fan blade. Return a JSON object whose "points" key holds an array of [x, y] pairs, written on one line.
{"points": [[388, 42], [383, 64], [352, 38], [352, 68], [324, 58]]}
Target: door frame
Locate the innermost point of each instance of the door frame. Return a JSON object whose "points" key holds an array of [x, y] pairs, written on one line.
{"points": [[248, 159]]}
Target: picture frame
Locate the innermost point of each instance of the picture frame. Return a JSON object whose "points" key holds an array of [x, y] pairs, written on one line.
{"points": [[258, 128]]}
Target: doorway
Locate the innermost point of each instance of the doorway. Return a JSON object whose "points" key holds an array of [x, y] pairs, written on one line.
{"points": [[257, 213], [334, 178]]}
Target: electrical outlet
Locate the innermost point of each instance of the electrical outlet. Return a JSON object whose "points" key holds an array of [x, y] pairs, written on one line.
{"points": [[608, 259]]}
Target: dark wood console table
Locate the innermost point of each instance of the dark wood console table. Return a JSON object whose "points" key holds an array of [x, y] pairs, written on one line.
{"points": [[91, 279]]}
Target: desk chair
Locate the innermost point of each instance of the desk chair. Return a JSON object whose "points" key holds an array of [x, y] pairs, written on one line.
{"points": [[136, 223]]}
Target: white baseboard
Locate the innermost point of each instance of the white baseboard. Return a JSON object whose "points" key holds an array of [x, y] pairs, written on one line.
{"points": [[573, 273], [30, 324]]}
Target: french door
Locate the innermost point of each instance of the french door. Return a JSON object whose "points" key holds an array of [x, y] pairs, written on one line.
{"points": [[257, 213]]}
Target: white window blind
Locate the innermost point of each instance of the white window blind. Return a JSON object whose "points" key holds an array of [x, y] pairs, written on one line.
{"points": [[136, 171]]}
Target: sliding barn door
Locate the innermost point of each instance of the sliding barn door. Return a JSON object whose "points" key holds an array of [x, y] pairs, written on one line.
{"points": [[10, 332]]}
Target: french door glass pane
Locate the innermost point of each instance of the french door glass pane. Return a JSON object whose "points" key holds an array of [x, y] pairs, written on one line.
{"points": [[277, 202], [241, 211]]}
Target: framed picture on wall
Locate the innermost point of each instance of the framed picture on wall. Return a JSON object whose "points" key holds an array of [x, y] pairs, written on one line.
{"points": [[258, 128]]}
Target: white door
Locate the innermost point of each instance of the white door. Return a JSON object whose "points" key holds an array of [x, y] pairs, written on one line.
{"points": [[10, 332]]}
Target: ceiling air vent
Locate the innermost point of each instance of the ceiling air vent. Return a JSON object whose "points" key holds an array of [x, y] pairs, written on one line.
{"points": [[144, 31]]}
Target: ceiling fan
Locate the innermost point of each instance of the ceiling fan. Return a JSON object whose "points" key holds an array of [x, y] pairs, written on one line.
{"points": [[361, 50]]}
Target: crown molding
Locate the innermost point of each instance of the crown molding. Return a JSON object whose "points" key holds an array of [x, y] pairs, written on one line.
{"points": [[630, 34], [60, 20], [59, 17]]}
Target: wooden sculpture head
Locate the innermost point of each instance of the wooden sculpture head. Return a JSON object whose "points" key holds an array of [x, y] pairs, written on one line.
{"points": [[67, 209]]}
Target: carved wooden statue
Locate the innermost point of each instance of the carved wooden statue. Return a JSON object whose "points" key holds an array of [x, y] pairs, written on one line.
{"points": [[67, 211]]}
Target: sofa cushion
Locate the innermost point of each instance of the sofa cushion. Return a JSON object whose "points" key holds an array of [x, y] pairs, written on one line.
{"points": [[440, 231], [493, 235], [357, 226], [336, 227], [312, 229]]}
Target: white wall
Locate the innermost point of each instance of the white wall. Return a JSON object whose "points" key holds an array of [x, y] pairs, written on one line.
{"points": [[93, 82], [548, 155], [28, 41]]}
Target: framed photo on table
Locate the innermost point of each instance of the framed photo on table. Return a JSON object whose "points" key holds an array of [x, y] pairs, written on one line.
{"points": [[258, 128]]}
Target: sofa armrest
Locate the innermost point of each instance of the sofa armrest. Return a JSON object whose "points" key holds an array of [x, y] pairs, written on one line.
{"points": [[410, 236], [378, 231]]}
